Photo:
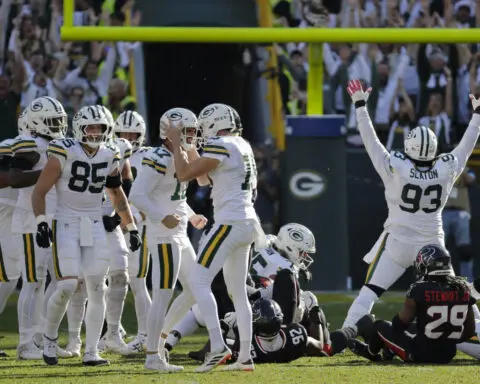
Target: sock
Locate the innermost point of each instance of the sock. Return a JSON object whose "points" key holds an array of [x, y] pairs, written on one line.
{"points": [[142, 302], [57, 306], [185, 327], [6, 289], [466, 270], [38, 328], [156, 318], [29, 308], [76, 311], [177, 310], [95, 311], [361, 306], [116, 293]]}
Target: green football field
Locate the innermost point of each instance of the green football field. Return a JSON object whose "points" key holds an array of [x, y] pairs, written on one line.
{"points": [[345, 368]]}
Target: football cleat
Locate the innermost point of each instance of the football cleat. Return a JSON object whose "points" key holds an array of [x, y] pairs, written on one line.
{"points": [[74, 346], [3, 354], [137, 345], [29, 351], [246, 366], [155, 363], [214, 359], [50, 350], [92, 359]]}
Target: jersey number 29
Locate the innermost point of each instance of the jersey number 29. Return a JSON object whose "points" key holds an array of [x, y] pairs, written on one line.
{"points": [[454, 316]]}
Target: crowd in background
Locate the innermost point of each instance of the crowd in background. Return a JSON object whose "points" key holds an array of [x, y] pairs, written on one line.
{"points": [[413, 84], [35, 62]]}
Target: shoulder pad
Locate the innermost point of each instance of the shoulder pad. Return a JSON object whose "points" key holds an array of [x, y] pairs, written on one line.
{"points": [[60, 146], [125, 147], [217, 146], [446, 157], [24, 144]]}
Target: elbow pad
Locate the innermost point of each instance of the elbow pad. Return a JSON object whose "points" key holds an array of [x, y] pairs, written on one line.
{"points": [[114, 181], [127, 186]]}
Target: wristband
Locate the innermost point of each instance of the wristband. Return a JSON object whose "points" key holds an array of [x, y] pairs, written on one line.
{"points": [[41, 219], [131, 227]]}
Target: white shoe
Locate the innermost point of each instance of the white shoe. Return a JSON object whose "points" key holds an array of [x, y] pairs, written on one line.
{"points": [[117, 346], [93, 359], [158, 364], [50, 351], [29, 351], [101, 344], [137, 345], [63, 353], [214, 359], [245, 366], [74, 346], [123, 332]]}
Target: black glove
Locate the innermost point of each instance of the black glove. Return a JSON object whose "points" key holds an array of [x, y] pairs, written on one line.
{"points": [[44, 235], [111, 222], [135, 240]]}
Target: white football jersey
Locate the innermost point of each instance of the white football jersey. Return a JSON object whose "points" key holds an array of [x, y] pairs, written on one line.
{"points": [[416, 197], [8, 195], [234, 179], [267, 262], [23, 217], [125, 149], [136, 160], [157, 193], [81, 186]]}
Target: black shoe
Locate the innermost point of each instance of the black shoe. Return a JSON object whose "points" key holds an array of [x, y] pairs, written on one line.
{"points": [[96, 363], [3, 354], [50, 360], [361, 349], [197, 355]]}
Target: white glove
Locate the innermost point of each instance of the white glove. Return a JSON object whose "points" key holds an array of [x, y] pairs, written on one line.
{"points": [[356, 92], [230, 319], [475, 102]]}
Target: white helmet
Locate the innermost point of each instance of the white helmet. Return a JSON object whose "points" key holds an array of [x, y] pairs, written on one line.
{"points": [[86, 116], [110, 119], [23, 123], [297, 241], [238, 121], [47, 117], [421, 144], [187, 120], [131, 121], [215, 118]]}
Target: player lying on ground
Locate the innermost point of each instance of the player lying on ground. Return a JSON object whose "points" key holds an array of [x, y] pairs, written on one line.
{"points": [[272, 341], [442, 305]]}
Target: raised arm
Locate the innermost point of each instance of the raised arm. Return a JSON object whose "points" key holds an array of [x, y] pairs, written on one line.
{"points": [[464, 149], [377, 152]]}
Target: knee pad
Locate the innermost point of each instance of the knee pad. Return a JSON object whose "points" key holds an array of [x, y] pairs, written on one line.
{"points": [[67, 287], [465, 252], [118, 279], [198, 316], [309, 299]]}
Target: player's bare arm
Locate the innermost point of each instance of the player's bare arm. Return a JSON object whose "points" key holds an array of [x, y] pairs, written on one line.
{"points": [[188, 171], [48, 178], [192, 156], [19, 176]]}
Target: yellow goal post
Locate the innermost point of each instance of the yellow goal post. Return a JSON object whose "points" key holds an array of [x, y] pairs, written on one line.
{"points": [[314, 36]]}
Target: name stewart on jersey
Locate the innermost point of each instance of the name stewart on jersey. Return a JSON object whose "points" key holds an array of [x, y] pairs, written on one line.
{"points": [[423, 175]]}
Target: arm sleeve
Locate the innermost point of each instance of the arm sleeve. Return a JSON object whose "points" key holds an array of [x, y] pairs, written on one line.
{"points": [[144, 184], [377, 152], [464, 149]]}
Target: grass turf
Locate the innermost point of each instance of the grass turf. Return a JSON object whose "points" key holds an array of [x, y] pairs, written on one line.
{"points": [[346, 368]]}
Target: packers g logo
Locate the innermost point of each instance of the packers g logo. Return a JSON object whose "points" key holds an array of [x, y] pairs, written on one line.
{"points": [[307, 185], [295, 235], [208, 112], [36, 107], [175, 116]]}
